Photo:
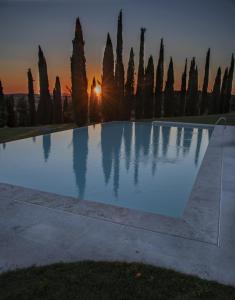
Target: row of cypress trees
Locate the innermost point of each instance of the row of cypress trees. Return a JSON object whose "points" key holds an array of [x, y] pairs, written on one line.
{"points": [[49, 109], [119, 101], [152, 99]]}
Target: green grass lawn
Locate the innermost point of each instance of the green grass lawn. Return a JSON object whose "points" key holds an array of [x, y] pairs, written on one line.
{"points": [[103, 280], [10, 134]]}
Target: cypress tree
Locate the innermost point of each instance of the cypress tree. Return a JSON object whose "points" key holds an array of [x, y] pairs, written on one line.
{"points": [[2, 107], [11, 116], [119, 70], [215, 97], [169, 101], [57, 102], [140, 79], [192, 93], [223, 95], [79, 78], [195, 96], [44, 112], [148, 89], [109, 107], [159, 82], [229, 85], [22, 111], [129, 86], [94, 104], [183, 91], [31, 99], [66, 118], [204, 102]]}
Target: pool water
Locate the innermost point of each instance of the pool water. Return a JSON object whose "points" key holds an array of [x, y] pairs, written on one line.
{"points": [[142, 165]]}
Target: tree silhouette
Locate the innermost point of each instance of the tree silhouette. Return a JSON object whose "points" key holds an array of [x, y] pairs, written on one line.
{"points": [[109, 108], [94, 108], [192, 93], [129, 86], [31, 99], [79, 78], [140, 79], [169, 101], [119, 71], [2, 107], [11, 116], [229, 85], [204, 102], [57, 107], [44, 112], [22, 110], [215, 97], [66, 114], [182, 105], [159, 82], [148, 89], [223, 95]]}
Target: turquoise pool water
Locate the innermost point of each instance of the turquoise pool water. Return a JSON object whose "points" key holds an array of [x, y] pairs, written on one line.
{"points": [[143, 166]]}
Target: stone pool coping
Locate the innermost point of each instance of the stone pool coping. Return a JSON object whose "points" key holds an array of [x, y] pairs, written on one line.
{"points": [[200, 220]]}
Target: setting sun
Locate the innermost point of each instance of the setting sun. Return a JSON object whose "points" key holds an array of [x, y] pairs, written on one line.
{"points": [[98, 90]]}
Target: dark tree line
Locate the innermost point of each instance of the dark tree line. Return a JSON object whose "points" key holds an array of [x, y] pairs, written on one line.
{"points": [[154, 98], [25, 112], [118, 100]]}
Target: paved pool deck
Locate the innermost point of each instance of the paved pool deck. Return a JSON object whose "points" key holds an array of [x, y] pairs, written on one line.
{"points": [[39, 228]]}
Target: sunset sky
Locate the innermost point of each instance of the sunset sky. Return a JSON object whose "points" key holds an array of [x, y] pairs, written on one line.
{"points": [[188, 27]]}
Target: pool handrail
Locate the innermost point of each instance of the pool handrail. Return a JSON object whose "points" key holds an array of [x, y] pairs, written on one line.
{"points": [[221, 119]]}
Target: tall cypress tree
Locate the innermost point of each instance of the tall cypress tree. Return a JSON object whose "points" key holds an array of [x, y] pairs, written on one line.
{"points": [[215, 97], [148, 89], [94, 107], [79, 78], [192, 93], [31, 99], [204, 102], [223, 95], [195, 94], [109, 105], [229, 85], [58, 118], [11, 116], [119, 70], [22, 110], [44, 112], [129, 86], [159, 82], [169, 101], [140, 79], [182, 105], [66, 116], [2, 107]]}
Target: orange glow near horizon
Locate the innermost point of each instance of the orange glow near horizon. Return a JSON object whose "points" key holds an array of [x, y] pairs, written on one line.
{"points": [[98, 90], [15, 83]]}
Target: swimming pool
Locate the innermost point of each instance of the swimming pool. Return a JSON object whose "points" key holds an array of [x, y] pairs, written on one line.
{"points": [[146, 166]]}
